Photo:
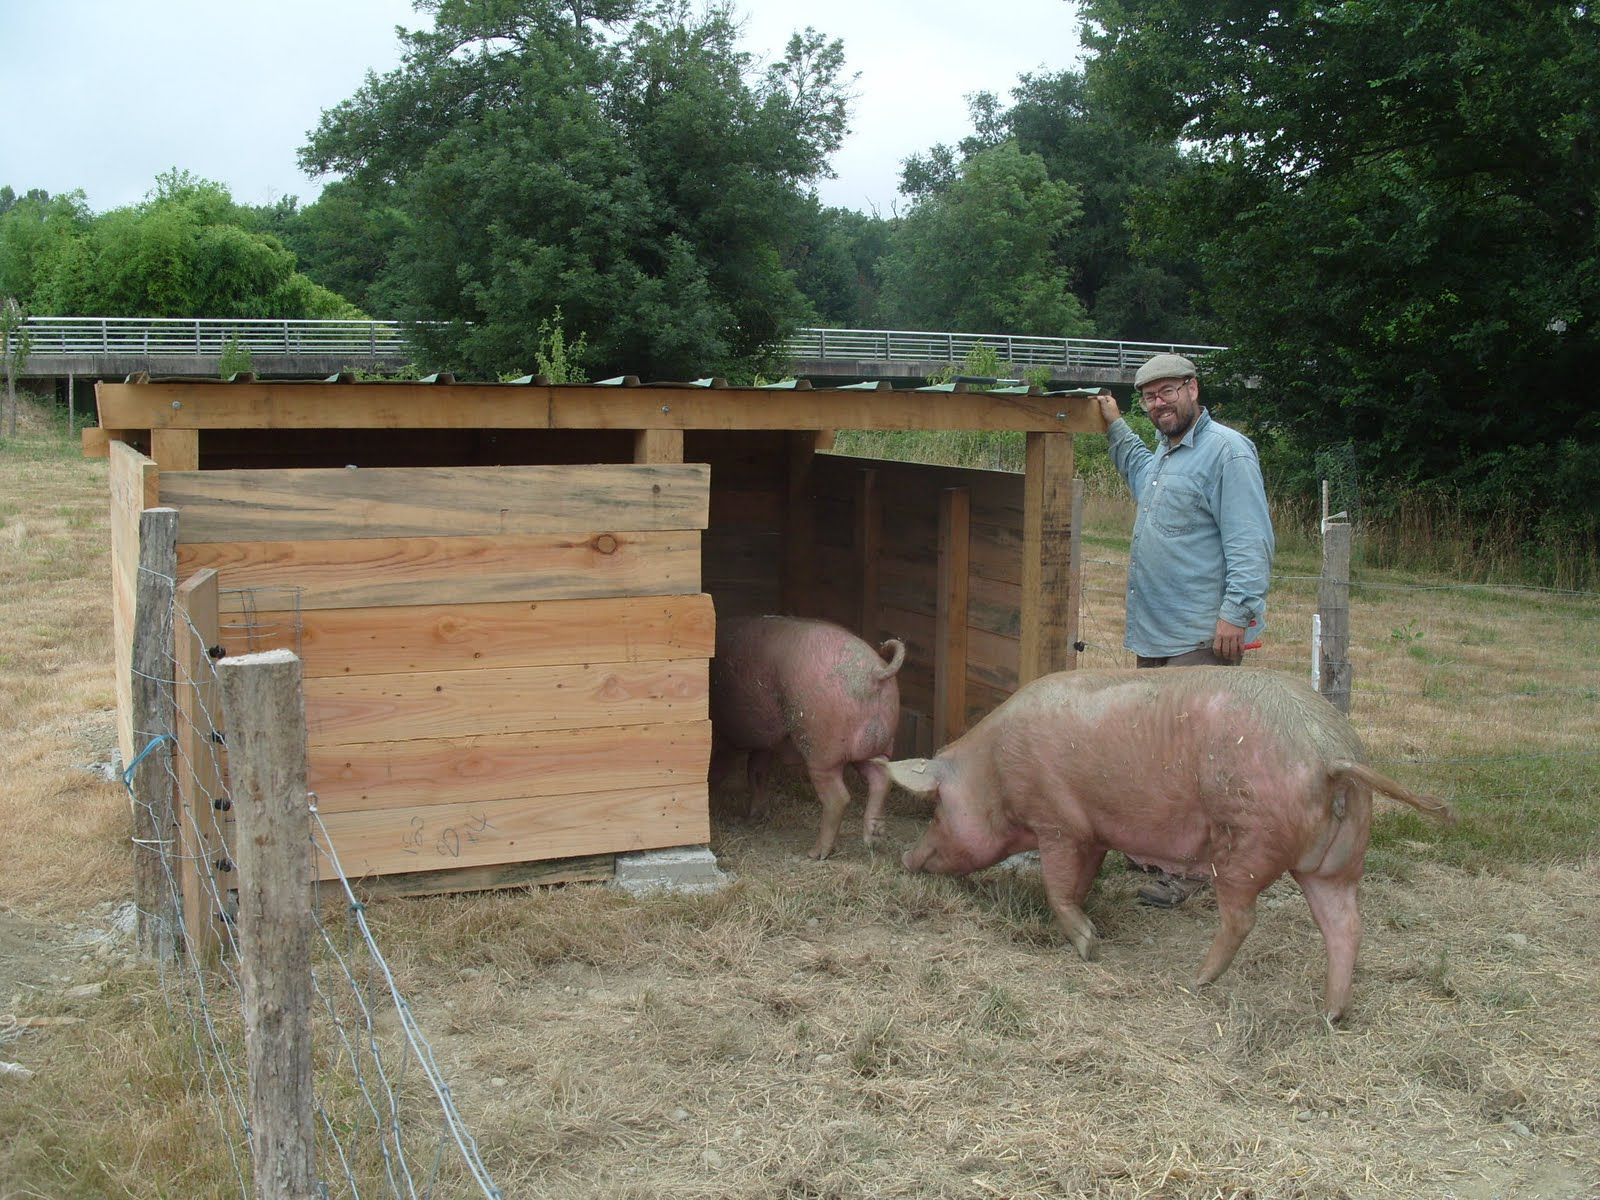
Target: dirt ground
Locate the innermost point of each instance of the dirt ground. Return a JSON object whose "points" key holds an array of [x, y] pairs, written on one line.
{"points": [[832, 1029]]}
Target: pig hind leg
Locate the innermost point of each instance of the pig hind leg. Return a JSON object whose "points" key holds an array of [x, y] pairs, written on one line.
{"points": [[877, 778], [1069, 870], [759, 770], [1333, 905], [1237, 907], [835, 797]]}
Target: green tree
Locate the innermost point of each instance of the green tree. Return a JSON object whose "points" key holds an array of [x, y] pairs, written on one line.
{"points": [[1394, 207], [644, 183], [983, 253], [835, 258], [343, 240], [187, 251], [13, 355], [37, 233], [1128, 290]]}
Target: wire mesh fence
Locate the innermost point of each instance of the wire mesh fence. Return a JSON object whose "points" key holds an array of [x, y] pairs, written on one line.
{"points": [[1444, 674], [387, 1124]]}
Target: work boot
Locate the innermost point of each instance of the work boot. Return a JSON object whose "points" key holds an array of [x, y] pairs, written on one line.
{"points": [[1169, 891]]}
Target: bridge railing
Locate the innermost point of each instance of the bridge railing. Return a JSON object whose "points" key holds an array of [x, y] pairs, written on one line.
{"points": [[903, 345], [211, 336]]}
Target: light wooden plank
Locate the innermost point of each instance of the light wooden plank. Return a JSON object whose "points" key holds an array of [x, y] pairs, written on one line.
{"points": [[950, 635], [133, 483], [443, 704], [372, 572], [198, 404], [447, 836], [1046, 626], [395, 774], [96, 441], [175, 450], [375, 641], [385, 502]]}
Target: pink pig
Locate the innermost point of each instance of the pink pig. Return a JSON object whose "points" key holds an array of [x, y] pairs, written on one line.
{"points": [[1237, 775], [815, 694]]}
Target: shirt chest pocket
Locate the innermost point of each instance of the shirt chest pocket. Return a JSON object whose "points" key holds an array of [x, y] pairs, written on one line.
{"points": [[1177, 505]]}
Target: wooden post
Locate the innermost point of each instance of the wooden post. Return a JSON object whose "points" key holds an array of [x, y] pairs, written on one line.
{"points": [[868, 547], [799, 522], [950, 639], [154, 829], [1046, 632], [655, 446], [1333, 609], [175, 449], [206, 873], [265, 714], [1075, 576], [72, 411]]}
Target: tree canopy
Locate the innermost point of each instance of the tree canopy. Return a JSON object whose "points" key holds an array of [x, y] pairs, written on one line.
{"points": [[1127, 290], [650, 185], [982, 252], [1394, 207], [187, 251]]}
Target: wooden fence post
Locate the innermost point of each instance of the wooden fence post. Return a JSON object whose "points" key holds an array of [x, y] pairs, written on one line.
{"points": [[265, 714], [868, 544], [202, 802], [1046, 555], [154, 829], [950, 638], [1333, 610]]}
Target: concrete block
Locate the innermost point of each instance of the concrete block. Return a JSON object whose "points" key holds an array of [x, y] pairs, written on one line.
{"points": [[681, 869]]}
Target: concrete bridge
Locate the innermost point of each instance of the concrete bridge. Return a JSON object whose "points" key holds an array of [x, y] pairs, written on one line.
{"points": [[70, 348]]}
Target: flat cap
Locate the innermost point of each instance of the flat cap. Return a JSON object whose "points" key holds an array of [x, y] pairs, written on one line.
{"points": [[1164, 366]]}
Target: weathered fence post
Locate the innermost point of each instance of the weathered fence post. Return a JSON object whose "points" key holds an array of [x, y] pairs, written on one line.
{"points": [[151, 783], [1333, 610], [265, 715]]}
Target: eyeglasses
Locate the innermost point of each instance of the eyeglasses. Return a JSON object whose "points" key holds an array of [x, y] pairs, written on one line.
{"points": [[1165, 393]]}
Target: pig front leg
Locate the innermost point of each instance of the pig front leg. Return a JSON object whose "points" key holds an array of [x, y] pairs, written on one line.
{"points": [[1069, 869], [835, 797]]}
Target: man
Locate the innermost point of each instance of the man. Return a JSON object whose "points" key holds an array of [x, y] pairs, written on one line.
{"points": [[1201, 558]]}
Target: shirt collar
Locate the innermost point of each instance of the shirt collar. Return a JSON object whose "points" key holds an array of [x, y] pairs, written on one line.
{"points": [[1187, 439]]}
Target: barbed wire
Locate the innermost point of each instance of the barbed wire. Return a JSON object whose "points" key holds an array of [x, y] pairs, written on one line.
{"points": [[362, 1108]]}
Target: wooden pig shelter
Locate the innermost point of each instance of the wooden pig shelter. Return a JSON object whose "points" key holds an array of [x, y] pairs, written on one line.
{"points": [[505, 595]]}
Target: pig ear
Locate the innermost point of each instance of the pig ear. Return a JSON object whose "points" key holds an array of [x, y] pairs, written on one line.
{"points": [[920, 776]]}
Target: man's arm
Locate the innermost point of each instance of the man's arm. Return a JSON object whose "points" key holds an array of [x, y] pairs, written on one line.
{"points": [[1247, 549], [1129, 454]]}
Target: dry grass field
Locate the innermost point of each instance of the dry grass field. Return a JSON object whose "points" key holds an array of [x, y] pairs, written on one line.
{"points": [[843, 1029]]}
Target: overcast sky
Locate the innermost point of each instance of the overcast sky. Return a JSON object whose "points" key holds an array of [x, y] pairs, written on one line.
{"points": [[103, 94]]}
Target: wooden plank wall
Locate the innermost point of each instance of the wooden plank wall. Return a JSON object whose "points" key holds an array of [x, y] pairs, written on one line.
{"points": [[880, 521], [502, 665], [133, 487], [743, 546]]}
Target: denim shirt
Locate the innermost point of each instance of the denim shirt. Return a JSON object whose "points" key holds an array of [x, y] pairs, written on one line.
{"points": [[1202, 539]]}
